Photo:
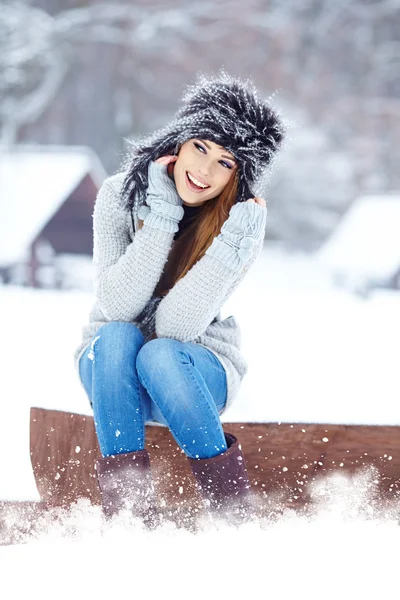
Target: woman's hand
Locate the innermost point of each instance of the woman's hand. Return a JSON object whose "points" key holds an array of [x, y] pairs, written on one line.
{"points": [[241, 234], [168, 161], [258, 200], [165, 160], [161, 189], [246, 222]]}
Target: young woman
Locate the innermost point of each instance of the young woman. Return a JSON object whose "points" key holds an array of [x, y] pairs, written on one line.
{"points": [[174, 234]]}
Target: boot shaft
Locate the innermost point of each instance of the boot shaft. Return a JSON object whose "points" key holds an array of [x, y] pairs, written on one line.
{"points": [[125, 482], [223, 480]]}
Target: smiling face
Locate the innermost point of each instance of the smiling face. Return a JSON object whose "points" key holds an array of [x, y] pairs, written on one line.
{"points": [[202, 170]]}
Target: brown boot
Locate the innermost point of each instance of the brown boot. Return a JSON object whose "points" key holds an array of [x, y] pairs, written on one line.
{"points": [[223, 482], [125, 482]]}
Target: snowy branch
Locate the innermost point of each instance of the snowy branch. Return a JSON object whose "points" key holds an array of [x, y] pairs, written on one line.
{"points": [[37, 50]]}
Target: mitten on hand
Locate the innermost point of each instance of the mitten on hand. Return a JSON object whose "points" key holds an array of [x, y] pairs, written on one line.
{"points": [[162, 198], [240, 234]]}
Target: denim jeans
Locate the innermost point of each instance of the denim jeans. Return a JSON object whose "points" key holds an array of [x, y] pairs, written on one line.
{"points": [[129, 382]]}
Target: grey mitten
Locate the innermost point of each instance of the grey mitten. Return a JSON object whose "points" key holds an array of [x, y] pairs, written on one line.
{"points": [[240, 234], [163, 208]]}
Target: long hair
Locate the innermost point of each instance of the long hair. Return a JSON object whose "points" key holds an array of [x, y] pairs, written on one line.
{"points": [[200, 233]]}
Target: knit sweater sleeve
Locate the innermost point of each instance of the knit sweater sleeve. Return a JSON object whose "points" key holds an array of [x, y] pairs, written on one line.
{"points": [[127, 272], [193, 302]]}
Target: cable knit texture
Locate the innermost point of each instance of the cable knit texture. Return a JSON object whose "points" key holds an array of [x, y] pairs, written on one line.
{"points": [[163, 212], [128, 266]]}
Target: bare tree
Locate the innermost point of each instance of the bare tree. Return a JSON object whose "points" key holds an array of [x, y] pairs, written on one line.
{"points": [[37, 50], [335, 65]]}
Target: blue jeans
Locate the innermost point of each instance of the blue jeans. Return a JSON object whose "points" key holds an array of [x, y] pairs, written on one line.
{"points": [[129, 382]]}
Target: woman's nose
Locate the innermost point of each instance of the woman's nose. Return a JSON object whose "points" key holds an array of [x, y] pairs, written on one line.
{"points": [[205, 169]]}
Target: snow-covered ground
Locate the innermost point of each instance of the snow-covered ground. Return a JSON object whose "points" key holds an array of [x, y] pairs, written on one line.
{"points": [[315, 354], [334, 556]]}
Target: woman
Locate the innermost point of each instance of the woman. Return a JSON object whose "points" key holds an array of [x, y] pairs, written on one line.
{"points": [[174, 234]]}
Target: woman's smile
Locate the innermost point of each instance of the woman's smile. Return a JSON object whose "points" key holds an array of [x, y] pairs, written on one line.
{"points": [[195, 184], [202, 168]]}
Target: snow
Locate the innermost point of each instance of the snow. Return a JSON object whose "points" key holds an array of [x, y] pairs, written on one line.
{"points": [[34, 183], [342, 552], [367, 240], [315, 355]]}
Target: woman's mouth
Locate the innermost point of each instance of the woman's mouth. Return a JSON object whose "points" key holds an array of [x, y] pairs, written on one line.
{"points": [[192, 185]]}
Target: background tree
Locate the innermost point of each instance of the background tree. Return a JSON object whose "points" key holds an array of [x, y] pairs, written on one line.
{"points": [[101, 72]]}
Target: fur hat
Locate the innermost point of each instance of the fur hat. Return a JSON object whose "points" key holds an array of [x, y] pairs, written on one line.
{"points": [[225, 110]]}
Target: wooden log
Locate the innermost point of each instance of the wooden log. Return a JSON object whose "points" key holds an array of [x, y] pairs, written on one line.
{"points": [[64, 449], [282, 459]]}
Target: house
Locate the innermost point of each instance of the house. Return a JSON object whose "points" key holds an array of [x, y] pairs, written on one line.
{"points": [[47, 195], [363, 252]]}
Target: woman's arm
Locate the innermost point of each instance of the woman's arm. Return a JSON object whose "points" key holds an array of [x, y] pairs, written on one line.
{"points": [[190, 306], [126, 273]]}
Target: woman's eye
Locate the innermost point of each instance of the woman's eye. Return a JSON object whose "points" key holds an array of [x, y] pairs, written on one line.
{"points": [[198, 146], [228, 166]]}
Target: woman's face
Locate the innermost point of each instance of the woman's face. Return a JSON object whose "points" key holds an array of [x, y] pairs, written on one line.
{"points": [[209, 164]]}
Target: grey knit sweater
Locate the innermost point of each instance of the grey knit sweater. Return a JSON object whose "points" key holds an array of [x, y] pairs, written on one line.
{"points": [[128, 266]]}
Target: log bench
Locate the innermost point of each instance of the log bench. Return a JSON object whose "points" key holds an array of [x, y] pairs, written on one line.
{"points": [[282, 459]]}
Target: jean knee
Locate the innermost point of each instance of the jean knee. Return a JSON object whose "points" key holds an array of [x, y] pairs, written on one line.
{"points": [[117, 342], [156, 354], [117, 327]]}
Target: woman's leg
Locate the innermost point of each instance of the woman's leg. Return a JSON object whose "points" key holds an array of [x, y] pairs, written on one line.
{"points": [[108, 373], [187, 385]]}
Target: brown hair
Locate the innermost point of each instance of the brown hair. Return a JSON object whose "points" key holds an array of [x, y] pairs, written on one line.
{"points": [[199, 235]]}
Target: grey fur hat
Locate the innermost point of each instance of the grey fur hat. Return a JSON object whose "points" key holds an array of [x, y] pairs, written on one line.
{"points": [[221, 108]]}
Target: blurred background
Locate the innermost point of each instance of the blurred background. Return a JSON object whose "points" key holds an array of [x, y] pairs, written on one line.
{"points": [[78, 78]]}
